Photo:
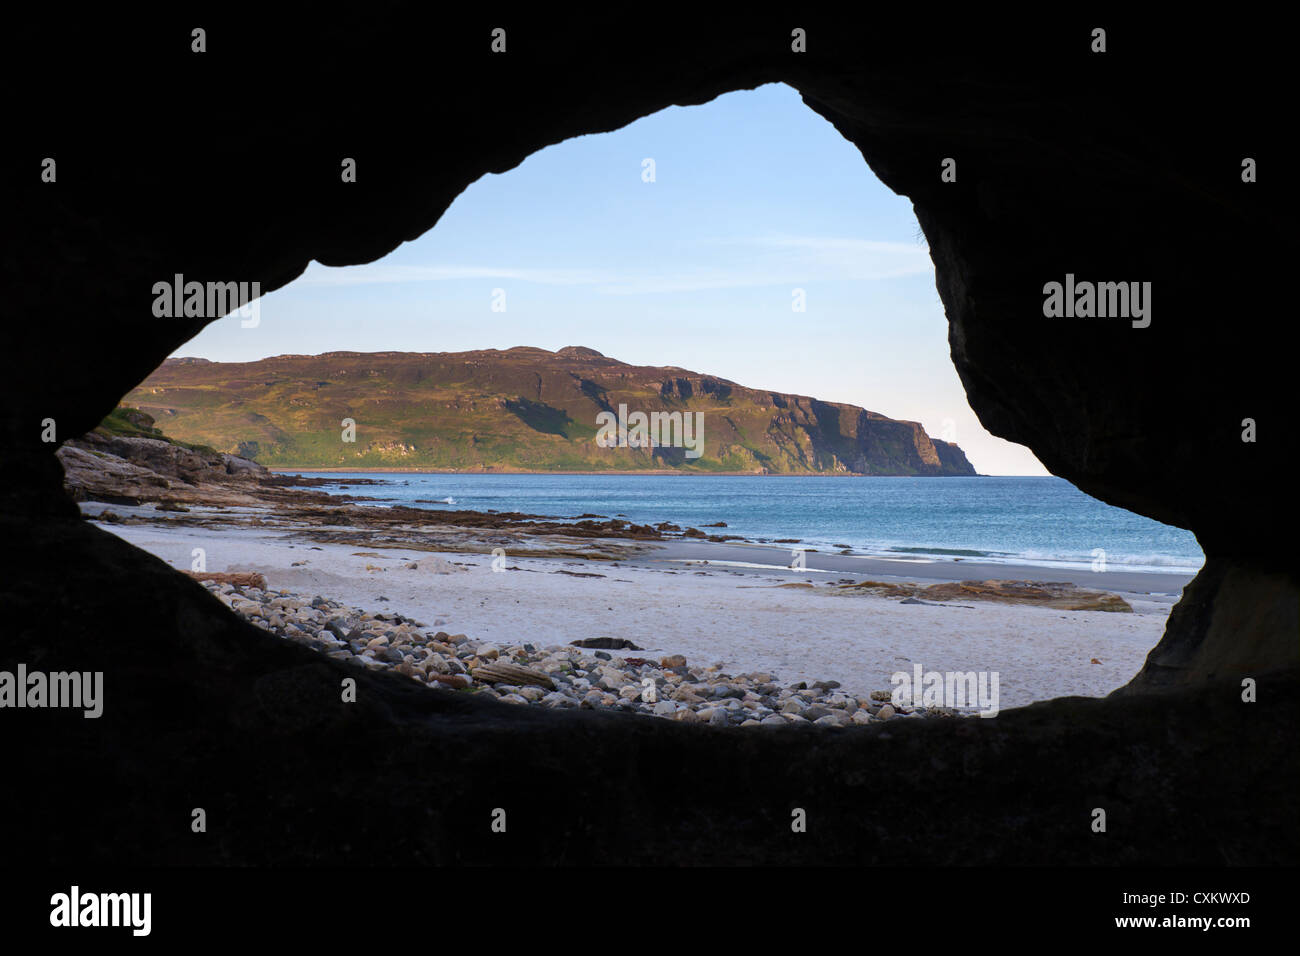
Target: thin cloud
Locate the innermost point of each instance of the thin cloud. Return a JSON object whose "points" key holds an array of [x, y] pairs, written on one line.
{"points": [[381, 274], [746, 262]]}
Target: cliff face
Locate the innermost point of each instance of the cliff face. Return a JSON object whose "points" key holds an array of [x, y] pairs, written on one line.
{"points": [[522, 409]]}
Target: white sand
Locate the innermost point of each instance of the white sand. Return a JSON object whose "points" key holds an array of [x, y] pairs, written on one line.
{"points": [[736, 618]]}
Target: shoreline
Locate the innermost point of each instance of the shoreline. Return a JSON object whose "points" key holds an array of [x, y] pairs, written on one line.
{"points": [[1079, 571], [729, 605], [674, 597], [656, 472], [934, 569]]}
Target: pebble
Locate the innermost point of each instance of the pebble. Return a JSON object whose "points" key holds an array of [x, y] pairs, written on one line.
{"points": [[589, 680]]}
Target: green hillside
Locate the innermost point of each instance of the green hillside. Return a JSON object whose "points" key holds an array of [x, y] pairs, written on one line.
{"points": [[522, 409]]}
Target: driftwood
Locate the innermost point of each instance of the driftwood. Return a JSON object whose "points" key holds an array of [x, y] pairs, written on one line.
{"points": [[243, 579], [502, 673]]}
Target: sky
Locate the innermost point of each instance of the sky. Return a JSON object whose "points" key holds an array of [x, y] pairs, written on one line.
{"points": [[753, 196]]}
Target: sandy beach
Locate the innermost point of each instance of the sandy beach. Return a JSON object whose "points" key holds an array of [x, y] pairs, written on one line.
{"points": [[734, 605]]}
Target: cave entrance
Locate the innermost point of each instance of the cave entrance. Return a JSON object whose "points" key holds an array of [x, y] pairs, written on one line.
{"points": [[500, 411]]}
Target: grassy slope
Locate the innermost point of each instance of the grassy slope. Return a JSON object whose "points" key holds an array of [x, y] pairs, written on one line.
{"points": [[127, 422], [519, 409]]}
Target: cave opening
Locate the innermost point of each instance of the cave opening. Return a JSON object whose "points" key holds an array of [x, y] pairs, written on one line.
{"points": [[660, 272]]}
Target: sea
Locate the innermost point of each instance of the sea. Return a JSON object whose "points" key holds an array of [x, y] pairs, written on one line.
{"points": [[1035, 521]]}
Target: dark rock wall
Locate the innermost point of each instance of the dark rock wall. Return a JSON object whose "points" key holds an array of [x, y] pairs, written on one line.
{"points": [[1122, 166]]}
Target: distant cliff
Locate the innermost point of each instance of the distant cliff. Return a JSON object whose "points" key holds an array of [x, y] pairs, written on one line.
{"points": [[522, 409]]}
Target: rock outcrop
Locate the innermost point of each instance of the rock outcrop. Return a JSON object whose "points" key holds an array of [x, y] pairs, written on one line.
{"points": [[1055, 594], [133, 469]]}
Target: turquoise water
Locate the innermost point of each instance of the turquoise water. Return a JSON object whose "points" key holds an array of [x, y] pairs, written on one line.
{"points": [[1040, 521]]}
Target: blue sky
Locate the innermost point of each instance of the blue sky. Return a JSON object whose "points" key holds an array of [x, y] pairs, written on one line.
{"points": [[754, 196]]}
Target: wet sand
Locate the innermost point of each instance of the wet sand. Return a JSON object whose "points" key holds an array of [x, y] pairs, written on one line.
{"points": [[828, 564]]}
